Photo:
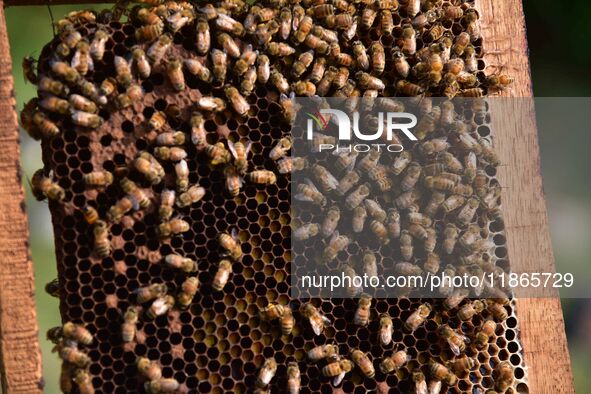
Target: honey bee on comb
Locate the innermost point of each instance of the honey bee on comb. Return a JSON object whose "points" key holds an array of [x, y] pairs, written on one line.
{"points": [[195, 103]]}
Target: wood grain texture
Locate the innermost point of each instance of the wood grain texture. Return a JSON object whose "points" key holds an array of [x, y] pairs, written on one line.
{"points": [[19, 346], [526, 222]]}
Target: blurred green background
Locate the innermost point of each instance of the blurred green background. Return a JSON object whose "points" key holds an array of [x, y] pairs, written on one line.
{"points": [[558, 35]]}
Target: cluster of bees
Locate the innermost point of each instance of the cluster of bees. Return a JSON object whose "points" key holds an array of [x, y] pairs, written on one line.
{"points": [[424, 204]]}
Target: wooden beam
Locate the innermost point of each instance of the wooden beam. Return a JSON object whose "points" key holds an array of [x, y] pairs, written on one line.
{"points": [[19, 347], [529, 246]]}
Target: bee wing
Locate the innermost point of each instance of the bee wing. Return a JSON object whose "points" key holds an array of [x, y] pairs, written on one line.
{"points": [[422, 388], [454, 348], [303, 197], [135, 202], [234, 233], [248, 147], [232, 149], [332, 181], [309, 182], [90, 64], [338, 379], [386, 335], [317, 325], [75, 59]]}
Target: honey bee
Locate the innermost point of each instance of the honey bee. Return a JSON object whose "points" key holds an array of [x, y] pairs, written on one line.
{"points": [[362, 313], [418, 317], [128, 328], [505, 376], [84, 382], [102, 245], [108, 87], [411, 176], [380, 231], [352, 290], [336, 244], [441, 372], [98, 178], [497, 310], [304, 88], [173, 227], [462, 365], [337, 368], [212, 104], [64, 71], [161, 386], [348, 181], [378, 58], [467, 213], [386, 21], [267, 373], [316, 319], [487, 330], [203, 41], [294, 381], [137, 194], [406, 248], [331, 221], [306, 231], [37, 124], [121, 208], [239, 103], [287, 321], [148, 293], [180, 18], [233, 180], [149, 32], [73, 355], [285, 23], [218, 154], [172, 153], [360, 53], [198, 133], [363, 362], [55, 104], [65, 378], [179, 262], [175, 74], [81, 103], [28, 65], [97, 46], [82, 61], [469, 310], [197, 68], [149, 369], [356, 197], [248, 82], [408, 44], [43, 187], [368, 16], [167, 200], [219, 61], [159, 48], [228, 24], [408, 88], [231, 244], [188, 290], [262, 177], [77, 333], [394, 362], [302, 63], [308, 192], [326, 180], [160, 306], [123, 71], [320, 352], [263, 68], [271, 312], [303, 29], [222, 275], [85, 119], [46, 84], [456, 342]]}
